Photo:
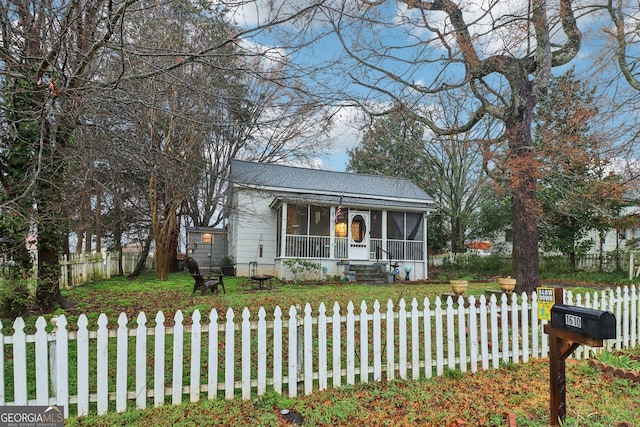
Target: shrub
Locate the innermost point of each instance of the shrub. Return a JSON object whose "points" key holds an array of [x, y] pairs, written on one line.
{"points": [[14, 298], [302, 269]]}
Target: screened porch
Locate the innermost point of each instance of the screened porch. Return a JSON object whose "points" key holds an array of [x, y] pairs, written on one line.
{"points": [[312, 231]]}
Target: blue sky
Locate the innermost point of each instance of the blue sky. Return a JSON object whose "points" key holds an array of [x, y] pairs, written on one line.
{"points": [[396, 28]]}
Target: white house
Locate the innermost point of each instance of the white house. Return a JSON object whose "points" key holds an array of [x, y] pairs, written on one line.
{"points": [[281, 212]]}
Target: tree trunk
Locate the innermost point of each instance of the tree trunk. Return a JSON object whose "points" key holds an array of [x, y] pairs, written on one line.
{"points": [[524, 206], [98, 222], [51, 216], [143, 258], [572, 261]]}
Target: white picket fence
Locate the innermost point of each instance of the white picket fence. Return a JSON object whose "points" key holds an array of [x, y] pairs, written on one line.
{"points": [[78, 269], [119, 367]]}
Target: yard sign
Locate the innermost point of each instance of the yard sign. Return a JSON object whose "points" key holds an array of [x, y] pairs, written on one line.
{"points": [[546, 300]]}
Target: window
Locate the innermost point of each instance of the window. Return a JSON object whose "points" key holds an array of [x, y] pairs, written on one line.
{"points": [[404, 225], [308, 220], [376, 225], [320, 224], [358, 229], [207, 238], [297, 219]]}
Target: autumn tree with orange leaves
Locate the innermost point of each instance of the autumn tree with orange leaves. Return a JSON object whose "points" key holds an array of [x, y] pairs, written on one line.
{"points": [[578, 188]]}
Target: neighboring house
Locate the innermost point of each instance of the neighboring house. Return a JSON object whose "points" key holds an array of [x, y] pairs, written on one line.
{"points": [[281, 212], [627, 238], [206, 246]]}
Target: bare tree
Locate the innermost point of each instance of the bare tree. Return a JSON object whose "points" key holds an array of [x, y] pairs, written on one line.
{"points": [[48, 50], [448, 167], [626, 34], [499, 55]]}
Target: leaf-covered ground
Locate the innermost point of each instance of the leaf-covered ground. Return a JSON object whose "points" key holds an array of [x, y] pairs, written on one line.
{"points": [[456, 399]]}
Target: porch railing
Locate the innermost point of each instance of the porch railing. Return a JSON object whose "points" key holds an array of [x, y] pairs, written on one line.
{"points": [[308, 247], [405, 249], [320, 247]]}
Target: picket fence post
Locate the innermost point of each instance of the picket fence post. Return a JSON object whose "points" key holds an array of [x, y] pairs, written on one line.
{"points": [[262, 352], [377, 342], [277, 350], [428, 368], [439, 338], [42, 372], [473, 334], [307, 362], [402, 339], [391, 366], [212, 380], [351, 345], [122, 351], [229, 352], [159, 361], [364, 343], [178, 356], [82, 346], [102, 365], [322, 347], [141, 362], [336, 344], [246, 355], [293, 352], [19, 362]]}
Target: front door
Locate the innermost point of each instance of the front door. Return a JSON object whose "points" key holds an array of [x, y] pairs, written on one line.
{"points": [[358, 235]]}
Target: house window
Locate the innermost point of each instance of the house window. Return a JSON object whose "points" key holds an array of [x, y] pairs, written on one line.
{"points": [[308, 220], [297, 219], [358, 229], [308, 230], [320, 224], [404, 225], [376, 225], [622, 234], [207, 238]]}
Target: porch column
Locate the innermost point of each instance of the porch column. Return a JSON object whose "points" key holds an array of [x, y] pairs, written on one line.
{"points": [[425, 246], [283, 231], [384, 235], [332, 233]]}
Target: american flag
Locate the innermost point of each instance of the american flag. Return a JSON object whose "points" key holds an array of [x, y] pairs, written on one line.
{"points": [[338, 211]]}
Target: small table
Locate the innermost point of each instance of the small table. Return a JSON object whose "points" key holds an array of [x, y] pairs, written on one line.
{"points": [[261, 278]]}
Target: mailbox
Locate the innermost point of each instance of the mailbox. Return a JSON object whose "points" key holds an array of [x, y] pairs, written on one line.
{"points": [[597, 324]]}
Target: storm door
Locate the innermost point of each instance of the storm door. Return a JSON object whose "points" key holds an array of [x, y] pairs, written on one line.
{"points": [[358, 235]]}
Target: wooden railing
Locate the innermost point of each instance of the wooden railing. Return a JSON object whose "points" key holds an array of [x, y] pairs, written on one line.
{"points": [[319, 247]]}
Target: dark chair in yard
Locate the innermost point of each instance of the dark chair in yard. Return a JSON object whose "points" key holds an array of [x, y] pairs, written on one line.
{"points": [[203, 282]]}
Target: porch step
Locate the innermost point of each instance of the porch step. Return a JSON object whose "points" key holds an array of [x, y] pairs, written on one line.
{"points": [[370, 273]]}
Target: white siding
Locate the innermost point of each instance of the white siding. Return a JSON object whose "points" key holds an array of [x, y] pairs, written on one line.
{"points": [[258, 228]]}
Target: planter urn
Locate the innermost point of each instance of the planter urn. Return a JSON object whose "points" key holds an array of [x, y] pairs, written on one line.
{"points": [[507, 284], [459, 287]]}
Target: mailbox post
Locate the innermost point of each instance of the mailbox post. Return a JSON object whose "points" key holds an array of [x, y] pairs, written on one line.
{"points": [[571, 327]]}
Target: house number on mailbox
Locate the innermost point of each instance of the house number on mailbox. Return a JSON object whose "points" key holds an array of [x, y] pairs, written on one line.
{"points": [[571, 320]]}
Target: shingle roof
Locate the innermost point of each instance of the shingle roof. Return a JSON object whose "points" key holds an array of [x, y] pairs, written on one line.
{"points": [[303, 180]]}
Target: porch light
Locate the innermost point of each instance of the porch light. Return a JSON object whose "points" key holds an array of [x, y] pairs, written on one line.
{"points": [[341, 229]]}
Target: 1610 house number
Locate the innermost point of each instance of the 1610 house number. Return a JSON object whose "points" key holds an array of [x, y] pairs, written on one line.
{"points": [[574, 321]]}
